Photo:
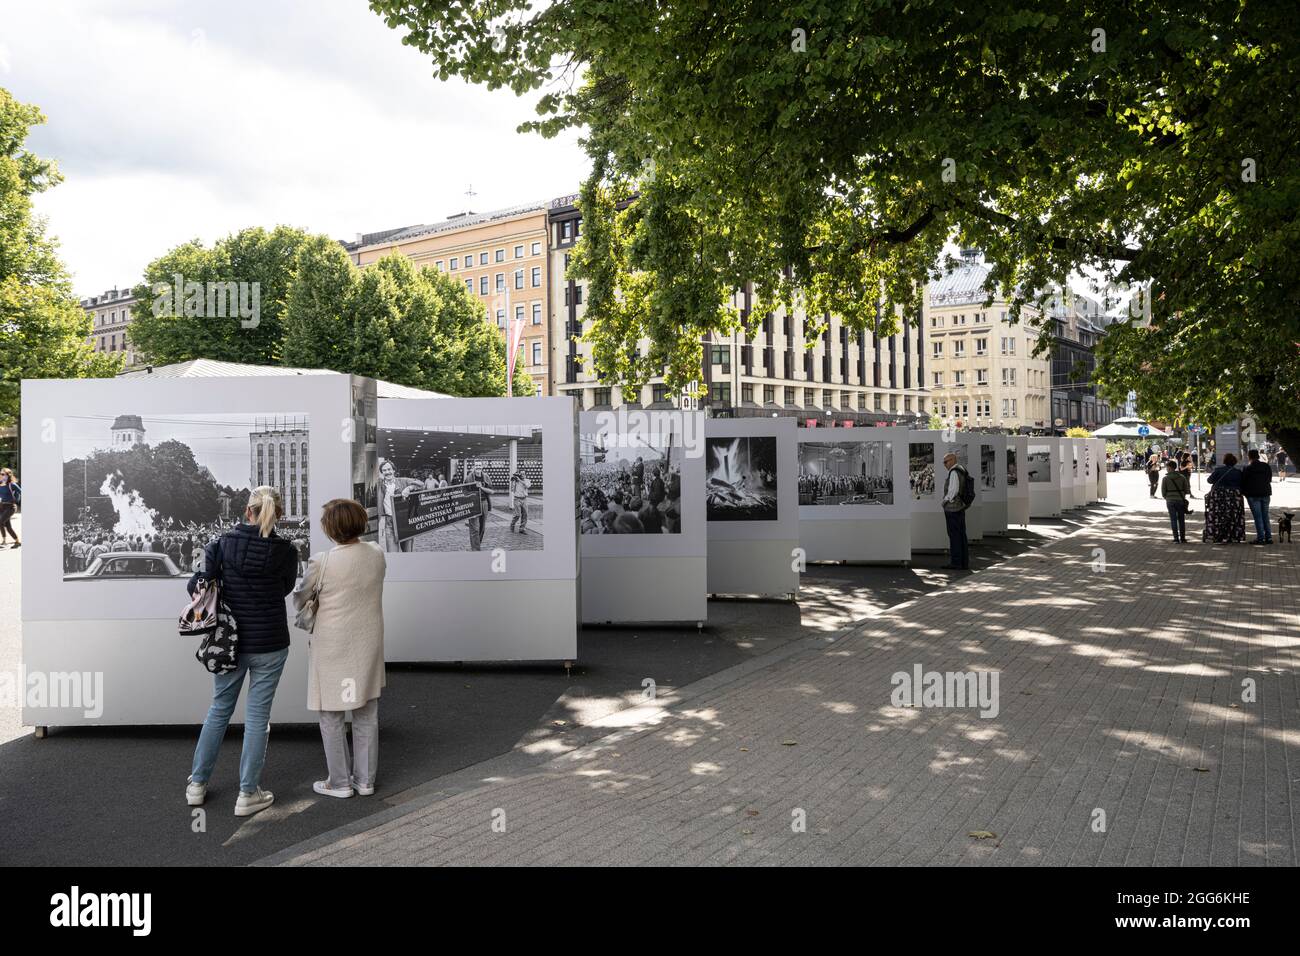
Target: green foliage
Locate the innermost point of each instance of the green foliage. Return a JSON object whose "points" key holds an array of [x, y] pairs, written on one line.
{"points": [[849, 141], [1077, 432], [166, 477], [43, 329]]}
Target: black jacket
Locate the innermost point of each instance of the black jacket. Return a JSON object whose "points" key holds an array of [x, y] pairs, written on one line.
{"points": [[1257, 480], [255, 574]]}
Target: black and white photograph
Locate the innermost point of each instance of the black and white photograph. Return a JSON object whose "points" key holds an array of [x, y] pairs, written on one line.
{"points": [[143, 494], [846, 473], [365, 455], [920, 469], [988, 466], [741, 478], [1040, 463], [1012, 476], [630, 483], [460, 488]]}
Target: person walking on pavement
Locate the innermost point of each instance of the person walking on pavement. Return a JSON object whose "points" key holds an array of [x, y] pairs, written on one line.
{"points": [[1153, 472], [1176, 489], [955, 504], [11, 495], [1257, 487], [1225, 513], [256, 569], [1281, 465]]}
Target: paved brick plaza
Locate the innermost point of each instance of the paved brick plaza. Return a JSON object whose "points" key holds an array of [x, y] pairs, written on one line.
{"points": [[1120, 691]]}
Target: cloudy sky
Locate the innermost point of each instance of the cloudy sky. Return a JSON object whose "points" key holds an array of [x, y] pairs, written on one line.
{"points": [[180, 120]]}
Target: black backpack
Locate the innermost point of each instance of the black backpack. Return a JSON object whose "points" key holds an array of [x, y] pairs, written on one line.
{"points": [[967, 494]]}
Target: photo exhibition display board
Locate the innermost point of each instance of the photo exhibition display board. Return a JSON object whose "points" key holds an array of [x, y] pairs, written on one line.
{"points": [[752, 505], [1072, 468], [474, 502], [1043, 471], [1099, 456], [853, 503], [991, 483], [151, 470], [1017, 482], [926, 476], [641, 516], [975, 520]]}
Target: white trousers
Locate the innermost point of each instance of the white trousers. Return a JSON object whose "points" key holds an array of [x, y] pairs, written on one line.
{"points": [[362, 759]]}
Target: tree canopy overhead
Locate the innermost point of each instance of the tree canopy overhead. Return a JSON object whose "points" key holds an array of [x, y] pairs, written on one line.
{"points": [[1153, 141]]}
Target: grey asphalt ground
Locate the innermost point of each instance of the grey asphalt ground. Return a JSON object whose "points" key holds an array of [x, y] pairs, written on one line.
{"points": [[114, 795]]}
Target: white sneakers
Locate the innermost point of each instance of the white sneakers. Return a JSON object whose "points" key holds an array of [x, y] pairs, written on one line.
{"points": [[195, 793], [255, 802], [325, 790], [363, 791]]}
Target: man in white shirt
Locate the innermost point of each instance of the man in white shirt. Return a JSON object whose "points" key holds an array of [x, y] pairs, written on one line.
{"points": [[954, 513], [519, 486]]}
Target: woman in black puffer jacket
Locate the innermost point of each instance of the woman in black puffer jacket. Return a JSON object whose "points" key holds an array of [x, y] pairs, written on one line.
{"points": [[256, 569]]}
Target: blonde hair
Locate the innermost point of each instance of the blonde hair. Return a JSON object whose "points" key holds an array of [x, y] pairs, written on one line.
{"points": [[265, 507]]}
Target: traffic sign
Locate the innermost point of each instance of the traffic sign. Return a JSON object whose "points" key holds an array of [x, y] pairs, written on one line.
{"points": [[1144, 430]]}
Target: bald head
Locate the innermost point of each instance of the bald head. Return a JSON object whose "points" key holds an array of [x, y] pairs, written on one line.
{"points": [[950, 459]]}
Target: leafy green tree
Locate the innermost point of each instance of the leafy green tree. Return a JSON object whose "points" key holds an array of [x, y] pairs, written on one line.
{"points": [[1153, 142], [166, 477], [164, 326], [392, 321], [44, 331]]}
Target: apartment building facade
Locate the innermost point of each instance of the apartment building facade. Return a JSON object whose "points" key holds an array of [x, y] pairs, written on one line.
{"points": [[838, 377], [982, 371], [1079, 323], [110, 316], [501, 257]]}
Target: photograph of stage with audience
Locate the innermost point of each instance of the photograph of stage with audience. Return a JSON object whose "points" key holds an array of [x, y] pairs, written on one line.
{"points": [[460, 488], [920, 469], [144, 494], [741, 482], [846, 473], [630, 484]]}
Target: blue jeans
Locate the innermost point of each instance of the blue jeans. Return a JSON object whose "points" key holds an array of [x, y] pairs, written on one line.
{"points": [[958, 546], [264, 674], [1177, 517], [1259, 511]]}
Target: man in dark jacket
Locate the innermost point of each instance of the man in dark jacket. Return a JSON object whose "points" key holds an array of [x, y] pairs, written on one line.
{"points": [[1176, 489], [1257, 489]]}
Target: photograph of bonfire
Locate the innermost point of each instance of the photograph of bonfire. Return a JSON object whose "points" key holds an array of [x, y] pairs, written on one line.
{"points": [[741, 478]]}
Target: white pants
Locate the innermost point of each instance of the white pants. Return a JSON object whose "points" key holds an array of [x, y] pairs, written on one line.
{"points": [[365, 742]]}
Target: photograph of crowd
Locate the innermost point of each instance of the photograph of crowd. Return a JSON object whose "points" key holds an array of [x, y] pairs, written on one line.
{"points": [[846, 473], [920, 469], [1040, 463], [1012, 476], [630, 484], [460, 488], [988, 466], [143, 495], [741, 483]]}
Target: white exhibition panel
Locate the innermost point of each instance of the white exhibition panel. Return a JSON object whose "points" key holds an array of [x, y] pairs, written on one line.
{"points": [[1017, 492], [1089, 468], [929, 528], [1072, 458], [126, 629], [975, 513], [645, 578], [757, 556], [993, 449], [860, 532], [495, 604], [1045, 496], [1099, 455]]}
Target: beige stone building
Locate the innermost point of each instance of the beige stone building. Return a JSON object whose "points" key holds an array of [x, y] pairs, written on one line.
{"points": [[981, 371], [842, 378], [110, 315], [501, 257]]}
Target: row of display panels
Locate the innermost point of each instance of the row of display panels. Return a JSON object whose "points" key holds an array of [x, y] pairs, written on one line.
{"points": [[472, 500]]}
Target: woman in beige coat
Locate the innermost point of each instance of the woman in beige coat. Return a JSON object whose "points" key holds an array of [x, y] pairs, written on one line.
{"points": [[346, 648]]}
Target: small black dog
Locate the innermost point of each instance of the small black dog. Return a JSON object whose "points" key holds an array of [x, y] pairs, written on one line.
{"points": [[1284, 526]]}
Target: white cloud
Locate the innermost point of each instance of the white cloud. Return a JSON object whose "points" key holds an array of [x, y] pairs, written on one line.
{"points": [[174, 124]]}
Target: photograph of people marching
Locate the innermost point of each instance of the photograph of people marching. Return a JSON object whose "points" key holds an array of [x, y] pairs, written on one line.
{"points": [[920, 469], [143, 495], [846, 473], [630, 484], [460, 488]]}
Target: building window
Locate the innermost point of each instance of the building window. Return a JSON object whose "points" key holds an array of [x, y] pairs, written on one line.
{"points": [[455, 263], [537, 352], [769, 394], [907, 403], [482, 285], [537, 249], [601, 396], [959, 377], [747, 392], [537, 313], [501, 318], [938, 379], [720, 393], [519, 252], [938, 350], [809, 397], [537, 276], [721, 355], [862, 401], [1008, 376], [981, 346], [519, 278], [501, 255], [893, 403], [439, 265], [981, 376], [788, 395], [501, 281], [519, 314], [959, 349], [469, 286], [566, 231], [876, 403]]}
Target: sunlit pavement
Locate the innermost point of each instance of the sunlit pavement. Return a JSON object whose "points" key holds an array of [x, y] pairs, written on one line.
{"points": [[1146, 714]]}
